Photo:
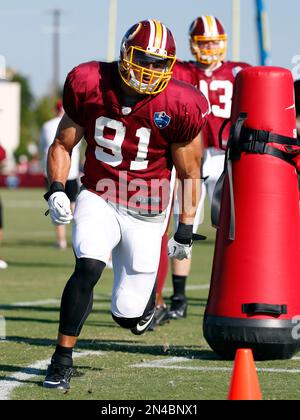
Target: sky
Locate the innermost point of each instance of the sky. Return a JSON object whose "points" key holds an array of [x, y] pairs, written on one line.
{"points": [[26, 39]]}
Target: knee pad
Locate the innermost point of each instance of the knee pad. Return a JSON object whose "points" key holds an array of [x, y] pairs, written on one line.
{"points": [[88, 271], [130, 323]]}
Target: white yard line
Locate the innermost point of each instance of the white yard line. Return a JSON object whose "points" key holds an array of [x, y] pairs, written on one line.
{"points": [[31, 235], [44, 302], [35, 303], [26, 204], [190, 287], [18, 379], [174, 363]]}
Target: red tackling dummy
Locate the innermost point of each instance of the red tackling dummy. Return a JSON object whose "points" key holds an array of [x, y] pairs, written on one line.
{"points": [[255, 283]]}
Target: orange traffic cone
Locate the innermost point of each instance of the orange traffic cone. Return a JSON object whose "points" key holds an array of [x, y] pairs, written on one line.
{"points": [[244, 382]]}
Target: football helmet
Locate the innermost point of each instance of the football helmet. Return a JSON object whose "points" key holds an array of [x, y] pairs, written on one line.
{"points": [[147, 56], [208, 40]]}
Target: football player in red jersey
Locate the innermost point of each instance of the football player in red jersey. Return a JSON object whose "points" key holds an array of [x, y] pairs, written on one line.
{"points": [[214, 77], [297, 105], [138, 124]]}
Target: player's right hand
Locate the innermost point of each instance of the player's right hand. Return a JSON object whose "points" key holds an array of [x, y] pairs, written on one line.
{"points": [[60, 208]]}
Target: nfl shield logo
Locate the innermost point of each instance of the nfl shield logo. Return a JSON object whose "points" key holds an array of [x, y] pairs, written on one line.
{"points": [[161, 119]]}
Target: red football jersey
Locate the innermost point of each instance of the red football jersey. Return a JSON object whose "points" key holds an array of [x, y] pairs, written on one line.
{"points": [[128, 157], [185, 71], [2, 154], [217, 86]]}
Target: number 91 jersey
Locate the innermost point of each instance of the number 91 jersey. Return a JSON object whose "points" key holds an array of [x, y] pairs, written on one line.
{"points": [[217, 86], [128, 158]]}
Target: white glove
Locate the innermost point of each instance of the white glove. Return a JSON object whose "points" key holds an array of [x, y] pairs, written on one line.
{"points": [[179, 251], [60, 208]]}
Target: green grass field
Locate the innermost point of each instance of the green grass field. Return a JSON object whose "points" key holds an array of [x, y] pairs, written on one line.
{"points": [[172, 363]]}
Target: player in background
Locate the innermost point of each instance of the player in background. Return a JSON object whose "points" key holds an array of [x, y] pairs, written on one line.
{"points": [[3, 264], [47, 136], [138, 124], [297, 105], [161, 315], [214, 76]]}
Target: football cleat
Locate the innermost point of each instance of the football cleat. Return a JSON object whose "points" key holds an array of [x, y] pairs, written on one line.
{"points": [[178, 307], [161, 316], [58, 376], [144, 323]]}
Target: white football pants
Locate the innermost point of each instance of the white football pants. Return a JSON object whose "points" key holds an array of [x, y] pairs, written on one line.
{"points": [[99, 229]]}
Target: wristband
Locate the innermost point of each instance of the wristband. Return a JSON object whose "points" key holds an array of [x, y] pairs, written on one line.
{"points": [[54, 187], [184, 234]]}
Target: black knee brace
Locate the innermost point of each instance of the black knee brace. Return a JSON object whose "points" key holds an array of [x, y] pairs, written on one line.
{"points": [[77, 299], [127, 323]]}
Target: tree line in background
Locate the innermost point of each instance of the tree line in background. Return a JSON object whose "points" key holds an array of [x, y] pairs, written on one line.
{"points": [[33, 114]]}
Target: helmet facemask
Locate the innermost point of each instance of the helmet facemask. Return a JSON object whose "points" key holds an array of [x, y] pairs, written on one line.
{"points": [[209, 51], [146, 72]]}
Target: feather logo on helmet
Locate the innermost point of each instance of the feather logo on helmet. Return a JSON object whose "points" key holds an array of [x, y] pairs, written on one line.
{"points": [[161, 119], [131, 35]]}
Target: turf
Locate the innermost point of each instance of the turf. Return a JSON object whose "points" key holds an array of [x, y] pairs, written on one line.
{"points": [[129, 367]]}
